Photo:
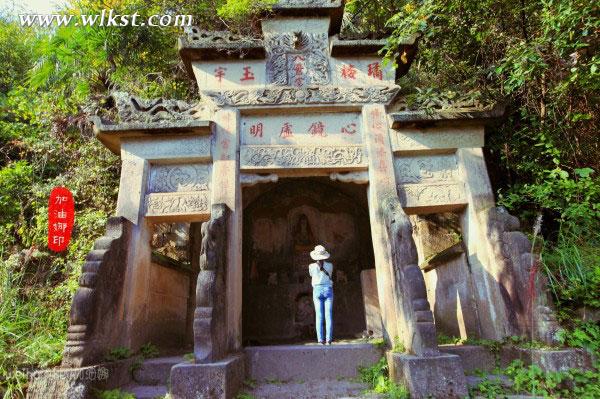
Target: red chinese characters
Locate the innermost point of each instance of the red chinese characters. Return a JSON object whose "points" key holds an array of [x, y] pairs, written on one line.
{"points": [[349, 129], [286, 130], [317, 129], [299, 70], [374, 71], [247, 74], [220, 73], [61, 216], [348, 71], [256, 130]]}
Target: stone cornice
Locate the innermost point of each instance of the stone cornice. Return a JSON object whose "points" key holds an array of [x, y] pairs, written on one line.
{"points": [[450, 115], [288, 95]]}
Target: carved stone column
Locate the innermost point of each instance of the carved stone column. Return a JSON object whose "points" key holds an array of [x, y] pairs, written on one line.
{"points": [[209, 316]]}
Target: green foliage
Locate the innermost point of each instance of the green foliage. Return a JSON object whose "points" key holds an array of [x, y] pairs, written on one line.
{"points": [[114, 394], [118, 353], [377, 379], [584, 335], [244, 395], [149, 350], [443, 339]]}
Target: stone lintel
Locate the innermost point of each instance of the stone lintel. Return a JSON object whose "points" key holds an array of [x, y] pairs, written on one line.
{"points": [[439, 376], [219, 380], [111, 134], [409, 118], [201, 45], [334, 9], [371, 47]]}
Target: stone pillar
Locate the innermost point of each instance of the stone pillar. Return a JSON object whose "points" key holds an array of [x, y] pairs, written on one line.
{"points": [[381, 185], [489, 297], [226, 190]]}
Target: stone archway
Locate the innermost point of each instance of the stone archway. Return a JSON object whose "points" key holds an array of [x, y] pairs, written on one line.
{"points": [[282, 223]]}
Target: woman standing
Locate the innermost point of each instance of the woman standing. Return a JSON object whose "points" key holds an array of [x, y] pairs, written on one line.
{"points": [[320, 273]]}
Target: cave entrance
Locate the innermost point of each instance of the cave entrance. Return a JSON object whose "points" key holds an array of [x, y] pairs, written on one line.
{"points": [[282, 223]]}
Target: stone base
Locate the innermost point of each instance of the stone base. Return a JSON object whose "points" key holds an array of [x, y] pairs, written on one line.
{"points": [[80, 382], [437, 376], [219, 380], [550, 359]]}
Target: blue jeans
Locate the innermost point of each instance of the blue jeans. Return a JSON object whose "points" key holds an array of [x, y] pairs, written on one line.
{"points": [[323, 298]]}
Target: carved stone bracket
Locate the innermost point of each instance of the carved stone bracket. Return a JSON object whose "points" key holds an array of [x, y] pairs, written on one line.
{"points": [[250, 179], [100, 288], [209, 316], [361, 177], [411, 295], [287, 95]]}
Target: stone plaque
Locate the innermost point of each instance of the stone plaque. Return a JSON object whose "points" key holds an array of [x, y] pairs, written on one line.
{"points": [[175, 178], [421, 195], [426, 169], [317, 129], [175, 204], [285, 156]]}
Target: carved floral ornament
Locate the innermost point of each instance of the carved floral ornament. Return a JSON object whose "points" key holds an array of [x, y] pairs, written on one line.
{"points": [[302, 157]]}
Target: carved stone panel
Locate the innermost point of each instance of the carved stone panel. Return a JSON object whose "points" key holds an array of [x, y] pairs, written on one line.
{"points": [[282, 156], [426, 169], [436, 138], [176, 178], [297, 59], [178, 204], [422, 195]]}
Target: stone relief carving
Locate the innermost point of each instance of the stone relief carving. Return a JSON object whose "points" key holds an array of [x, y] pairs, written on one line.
{"points": [[512, 251], [304, 95], [133, 109], [426, 169], [412, 195], [174, 178], [419, 328], [100, 287], [299, 157], [286, 52], [159, 204], [209, 315]]}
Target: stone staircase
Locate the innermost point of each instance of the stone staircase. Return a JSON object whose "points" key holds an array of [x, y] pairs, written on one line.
{"points": [[151, 379], [307, 371]]}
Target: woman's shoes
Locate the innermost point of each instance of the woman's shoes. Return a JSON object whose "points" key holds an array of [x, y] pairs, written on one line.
{"points": [[321, 343], [328, 343]]}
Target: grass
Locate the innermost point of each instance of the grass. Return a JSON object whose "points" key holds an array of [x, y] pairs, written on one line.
{"points": [[377, 379]]}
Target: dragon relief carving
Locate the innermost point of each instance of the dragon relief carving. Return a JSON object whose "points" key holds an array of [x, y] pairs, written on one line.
{"points": [[131, 109], [293, 55]]}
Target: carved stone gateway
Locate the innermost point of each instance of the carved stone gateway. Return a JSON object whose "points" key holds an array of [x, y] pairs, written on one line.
{"points": [[283, 121]]}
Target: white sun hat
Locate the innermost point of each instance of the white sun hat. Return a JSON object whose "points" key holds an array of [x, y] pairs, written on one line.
{"points": [[319, 253]]}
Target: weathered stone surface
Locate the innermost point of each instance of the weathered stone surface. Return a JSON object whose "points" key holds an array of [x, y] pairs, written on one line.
{"points": [[439, 376], [406, 140], [90, 335], [307, 362], [156, 371], [216, 380], [78, 383], [368, 283], [210, 344], [193, 205], [473, 357], [549, 359]]}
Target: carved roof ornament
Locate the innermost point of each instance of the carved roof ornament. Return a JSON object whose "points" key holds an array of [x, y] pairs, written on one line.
{"points": [[286, 50]]}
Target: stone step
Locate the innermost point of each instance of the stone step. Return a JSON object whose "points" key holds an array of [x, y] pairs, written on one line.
{"points": [[312, 389], [156, 371], [308, 362], [146, 391]]}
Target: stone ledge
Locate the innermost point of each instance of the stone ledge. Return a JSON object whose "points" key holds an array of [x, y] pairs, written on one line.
{"points": [[334, 9], [408, 118]]}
